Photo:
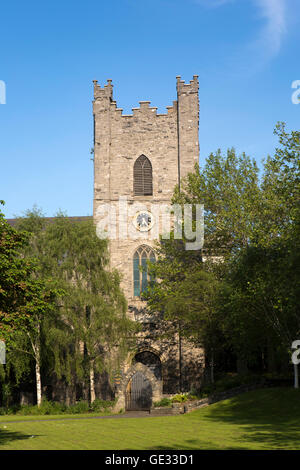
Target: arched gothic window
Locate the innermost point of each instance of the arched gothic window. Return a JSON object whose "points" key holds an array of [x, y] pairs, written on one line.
{"points": [[142, 177], [141, 277]]}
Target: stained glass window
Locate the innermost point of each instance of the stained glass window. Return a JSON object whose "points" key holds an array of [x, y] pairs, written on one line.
{"points": [[140, 270]]}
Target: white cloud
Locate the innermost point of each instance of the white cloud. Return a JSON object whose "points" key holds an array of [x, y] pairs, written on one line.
{"points": [[273, 12]]}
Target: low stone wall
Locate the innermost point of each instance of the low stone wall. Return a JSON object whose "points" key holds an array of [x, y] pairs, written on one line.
{"points": [[180, 408]]}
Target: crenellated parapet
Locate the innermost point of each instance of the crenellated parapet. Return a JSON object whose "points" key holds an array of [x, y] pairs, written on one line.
{"points": [[103, 100], [103, 93], [169, 140], [191, 87]]}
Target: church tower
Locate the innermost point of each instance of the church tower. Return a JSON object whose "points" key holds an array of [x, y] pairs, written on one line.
{"points": [[138, 160]]}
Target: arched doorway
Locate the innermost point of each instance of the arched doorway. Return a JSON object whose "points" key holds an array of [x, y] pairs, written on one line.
{"points": [[126, 386], [151, 360], [138, 395]]}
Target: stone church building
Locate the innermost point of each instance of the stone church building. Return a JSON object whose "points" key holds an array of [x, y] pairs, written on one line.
{"points": [[138, 160]]}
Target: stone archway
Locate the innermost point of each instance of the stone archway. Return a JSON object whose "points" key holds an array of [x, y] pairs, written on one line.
{"points": [[151, 360], [156, 385]]}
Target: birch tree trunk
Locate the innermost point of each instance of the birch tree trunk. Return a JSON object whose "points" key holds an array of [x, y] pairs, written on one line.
{"points": [[92, 382], [37, 353], [36, 348], [38, 382]]}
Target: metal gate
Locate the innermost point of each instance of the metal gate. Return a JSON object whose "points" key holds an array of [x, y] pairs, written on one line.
{"points": [[139, 393]]}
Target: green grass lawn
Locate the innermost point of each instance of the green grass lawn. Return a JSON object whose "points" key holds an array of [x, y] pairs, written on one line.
{"points": [[262, 419]]}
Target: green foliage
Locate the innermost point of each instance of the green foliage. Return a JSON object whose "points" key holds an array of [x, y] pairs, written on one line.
{"points": [[206, 390], [81, 406], [101, 405], [228, 187], [192, 396], [46, 408], [185, 295], [92, 309], [6, 394], [180, 398], [230, 381], [260, 300], [244, 297], [163, 402], [23, 298], [57, 408]]}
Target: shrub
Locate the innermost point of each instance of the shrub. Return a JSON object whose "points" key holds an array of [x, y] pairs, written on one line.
{"points": [[192, 396], [81, 406], [235, 380], [163, 402], [46, 408], [101, 405], [193, 393], [206, 391], [179, 398], [26, 410], [57, 408], [229, 381]]}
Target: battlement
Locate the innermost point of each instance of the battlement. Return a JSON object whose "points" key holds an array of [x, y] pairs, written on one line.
{"points": [[169, 139], [191, 87], [105, 94]]}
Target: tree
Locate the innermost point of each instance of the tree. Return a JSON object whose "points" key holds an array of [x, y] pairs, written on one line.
{"points": [[184, 295], [228, 187], [24, 299], [93, 332], [280, 186], [250, 246], [21, 296], [263, 279]]}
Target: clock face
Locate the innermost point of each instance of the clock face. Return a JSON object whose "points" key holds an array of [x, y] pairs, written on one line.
{"points": [[143, 221]]}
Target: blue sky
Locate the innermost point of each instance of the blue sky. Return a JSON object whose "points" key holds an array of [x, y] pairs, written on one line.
{"points": [[246, 53]]}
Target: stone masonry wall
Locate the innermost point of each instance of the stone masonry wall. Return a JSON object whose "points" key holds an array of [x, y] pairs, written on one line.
{"points": [[170, 141]]}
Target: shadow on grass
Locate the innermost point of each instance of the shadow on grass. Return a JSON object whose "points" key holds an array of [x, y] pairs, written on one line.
{"points": [[270, 417], [274, 440], [8, 436], [195, 444]]}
